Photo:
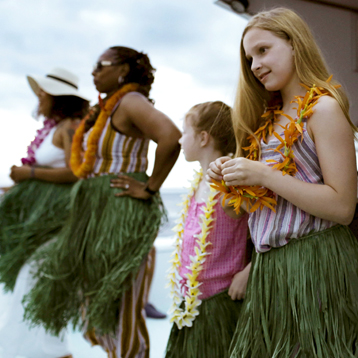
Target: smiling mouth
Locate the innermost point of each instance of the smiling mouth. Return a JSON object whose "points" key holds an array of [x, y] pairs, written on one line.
{"points": [[263, 76]]}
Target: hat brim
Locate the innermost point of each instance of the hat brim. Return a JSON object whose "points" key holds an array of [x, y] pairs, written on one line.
{"points": [[53, 87]]}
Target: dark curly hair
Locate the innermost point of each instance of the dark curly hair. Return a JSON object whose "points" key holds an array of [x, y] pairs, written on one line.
{"points": [[67, 107], [140, 69]]}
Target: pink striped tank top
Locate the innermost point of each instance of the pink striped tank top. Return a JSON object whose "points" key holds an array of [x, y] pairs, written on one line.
{"points": [[269, 229], [229, 253], [118, 153]]}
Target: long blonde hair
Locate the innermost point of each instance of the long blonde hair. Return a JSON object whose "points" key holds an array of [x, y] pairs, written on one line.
{"points": [[252, 98]]}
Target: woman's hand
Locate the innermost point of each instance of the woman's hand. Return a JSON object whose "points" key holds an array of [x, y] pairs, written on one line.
{"points": [[215, 169], [242, 171], [19, 174], [238, 285], [5, 189], [131, 187]]}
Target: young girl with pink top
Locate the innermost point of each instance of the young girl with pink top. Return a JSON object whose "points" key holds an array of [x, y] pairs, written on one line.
{"points": [[300, 169], [211, 260]]}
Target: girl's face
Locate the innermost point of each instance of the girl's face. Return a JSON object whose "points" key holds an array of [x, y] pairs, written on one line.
{"points": [[105, 78], [45, 103], [271, 57], [189, 141]]}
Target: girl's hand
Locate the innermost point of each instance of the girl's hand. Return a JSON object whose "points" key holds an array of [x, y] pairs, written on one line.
{"points": [[19, 174], [215, 168], [132, 187], [238, 285], [242, 171]]}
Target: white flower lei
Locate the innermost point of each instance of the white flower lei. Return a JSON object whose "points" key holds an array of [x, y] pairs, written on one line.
{"points": [[185, 317]]}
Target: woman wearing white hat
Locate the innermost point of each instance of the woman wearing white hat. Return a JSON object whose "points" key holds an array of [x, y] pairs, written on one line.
{"points": [[34, 210]]}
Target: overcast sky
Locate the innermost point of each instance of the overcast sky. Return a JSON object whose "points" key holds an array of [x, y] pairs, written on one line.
{"points": [[193, 44]]}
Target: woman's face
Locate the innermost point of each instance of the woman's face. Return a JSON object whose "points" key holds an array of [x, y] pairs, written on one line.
{"points": [[105, 78], [45, 103], [271, 57]]}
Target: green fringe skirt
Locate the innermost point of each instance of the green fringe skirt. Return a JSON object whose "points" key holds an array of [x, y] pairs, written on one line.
{"points": [[93, 259], [302, 300], [31, 213], [211, 333]]}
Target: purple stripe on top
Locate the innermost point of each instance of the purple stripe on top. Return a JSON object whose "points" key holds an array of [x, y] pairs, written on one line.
{"points": [[269, 229]]}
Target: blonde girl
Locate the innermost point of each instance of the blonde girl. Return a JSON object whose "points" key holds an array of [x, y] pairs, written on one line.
{"points": [[302, 292], [209, 277]]}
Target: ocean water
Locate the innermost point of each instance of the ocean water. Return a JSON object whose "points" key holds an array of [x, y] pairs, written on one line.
{"points": [[172, 198]]}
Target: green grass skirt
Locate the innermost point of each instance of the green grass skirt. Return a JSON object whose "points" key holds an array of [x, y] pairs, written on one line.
{"points": [[94, 257], [31, 213], [211, 333], [302, 300]]}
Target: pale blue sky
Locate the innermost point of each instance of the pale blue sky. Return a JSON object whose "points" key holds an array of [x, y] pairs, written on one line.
{"points": [[193, 44]]}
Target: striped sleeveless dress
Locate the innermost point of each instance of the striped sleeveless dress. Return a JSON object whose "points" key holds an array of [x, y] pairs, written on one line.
{"points": [[301, 295], [110, 261], [269, 229], [118, 153]]}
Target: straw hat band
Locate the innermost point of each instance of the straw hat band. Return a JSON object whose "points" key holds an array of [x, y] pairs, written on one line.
{"points": [[62, 80], [57, 82]]}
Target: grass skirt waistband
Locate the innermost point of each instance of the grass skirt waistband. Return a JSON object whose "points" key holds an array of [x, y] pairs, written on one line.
{"points": [[211, 333], [31, 213], [99, 250], [302, 300]]}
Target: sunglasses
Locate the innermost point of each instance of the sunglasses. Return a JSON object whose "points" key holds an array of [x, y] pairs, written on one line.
{"points": [[100, 64]]}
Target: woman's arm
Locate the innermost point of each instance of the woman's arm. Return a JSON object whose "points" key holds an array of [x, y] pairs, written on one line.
{"points": [[55, 175], [156, 126], [334, 200], [52, 175], [4, 189]]}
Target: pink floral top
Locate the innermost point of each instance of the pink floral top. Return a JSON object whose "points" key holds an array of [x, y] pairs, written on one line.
{"points": [[230, 251]]}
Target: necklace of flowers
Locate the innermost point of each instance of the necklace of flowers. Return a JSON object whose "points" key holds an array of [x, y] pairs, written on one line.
{"points": [[185, 317], [257, 197], [82, 164], [41, 134]]}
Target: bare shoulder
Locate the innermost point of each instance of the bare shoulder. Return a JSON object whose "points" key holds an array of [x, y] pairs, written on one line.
{"points": [[70, 123], [327, 115], [68, 127], [135, 99], [327, 109]]}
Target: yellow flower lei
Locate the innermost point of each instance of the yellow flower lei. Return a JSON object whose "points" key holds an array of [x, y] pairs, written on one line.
{"points": [[256, 196], [185, 317], [82, 165]]}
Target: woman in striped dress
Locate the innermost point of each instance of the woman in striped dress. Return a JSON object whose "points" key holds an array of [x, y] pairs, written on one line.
{"points": [[302, 292], [98, 271]]}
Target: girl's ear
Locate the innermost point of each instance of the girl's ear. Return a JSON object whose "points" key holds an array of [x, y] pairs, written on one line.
{"points": [[293, 49], [204, 138]]}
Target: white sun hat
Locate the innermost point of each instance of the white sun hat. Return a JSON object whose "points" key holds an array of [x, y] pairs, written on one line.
{"points": [[57, 82]]}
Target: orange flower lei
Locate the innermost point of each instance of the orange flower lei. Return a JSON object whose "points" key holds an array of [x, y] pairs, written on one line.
{"points": [[257, 197], [82, 164]]}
